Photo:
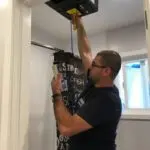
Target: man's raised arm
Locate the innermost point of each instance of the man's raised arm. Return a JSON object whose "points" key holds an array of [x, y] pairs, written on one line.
{"points": [[83, 45]]}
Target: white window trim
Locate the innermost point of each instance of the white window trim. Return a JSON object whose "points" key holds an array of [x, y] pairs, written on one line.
{"points": [[135, 114]]}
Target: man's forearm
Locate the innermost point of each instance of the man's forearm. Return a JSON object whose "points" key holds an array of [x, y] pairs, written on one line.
{"points": [[62, 115], [83, 42], [84, 46]]}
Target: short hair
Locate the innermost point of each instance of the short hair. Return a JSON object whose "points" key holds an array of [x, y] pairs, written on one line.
{"points": [[111, 59]]}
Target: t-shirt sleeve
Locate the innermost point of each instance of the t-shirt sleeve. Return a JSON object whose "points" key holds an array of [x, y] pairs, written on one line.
{"points": [[97, 111]]}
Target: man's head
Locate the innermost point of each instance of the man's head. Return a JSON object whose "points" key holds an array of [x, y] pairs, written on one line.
{"points": [[105, 66]]}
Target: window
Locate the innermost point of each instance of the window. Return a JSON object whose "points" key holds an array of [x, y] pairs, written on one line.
{"points": [[133, 84]]}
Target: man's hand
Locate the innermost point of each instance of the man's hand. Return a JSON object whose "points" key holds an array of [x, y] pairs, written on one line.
{"points": [[76, 21], [56, 84]]}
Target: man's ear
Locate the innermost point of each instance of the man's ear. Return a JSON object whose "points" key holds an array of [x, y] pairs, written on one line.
{"points": [[107, 71]]}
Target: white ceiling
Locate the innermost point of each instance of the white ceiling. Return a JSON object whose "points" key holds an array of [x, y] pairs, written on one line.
{"points": [[112, 14]]}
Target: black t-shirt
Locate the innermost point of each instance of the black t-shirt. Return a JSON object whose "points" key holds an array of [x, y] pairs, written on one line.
{"points": [[102, 110]]}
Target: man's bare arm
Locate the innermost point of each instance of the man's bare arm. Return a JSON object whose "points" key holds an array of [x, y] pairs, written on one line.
{"points": [[83, 45], [68, 124]]}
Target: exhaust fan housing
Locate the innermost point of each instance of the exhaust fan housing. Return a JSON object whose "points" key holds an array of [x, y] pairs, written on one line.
{"points": [[69, 7]]}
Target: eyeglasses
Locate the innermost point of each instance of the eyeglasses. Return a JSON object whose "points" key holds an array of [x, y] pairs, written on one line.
{"points": [[97, 66]]}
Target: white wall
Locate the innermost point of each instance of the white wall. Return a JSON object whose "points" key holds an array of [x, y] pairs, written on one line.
{"points": [[123, 40], [42, 127], [40, 35], [127, 39], [14, 51], [1, 68], [133, 135]]}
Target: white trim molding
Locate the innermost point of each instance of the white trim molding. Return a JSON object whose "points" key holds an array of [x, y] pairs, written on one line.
{"points": [[15, 38], [147, 27], [134, 114]]}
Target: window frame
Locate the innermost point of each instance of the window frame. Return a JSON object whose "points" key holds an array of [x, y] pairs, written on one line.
{"points": [[125, 81], [135, 113]]}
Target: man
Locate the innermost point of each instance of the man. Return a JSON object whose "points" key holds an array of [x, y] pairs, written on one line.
{"points": [[94, 126]]}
